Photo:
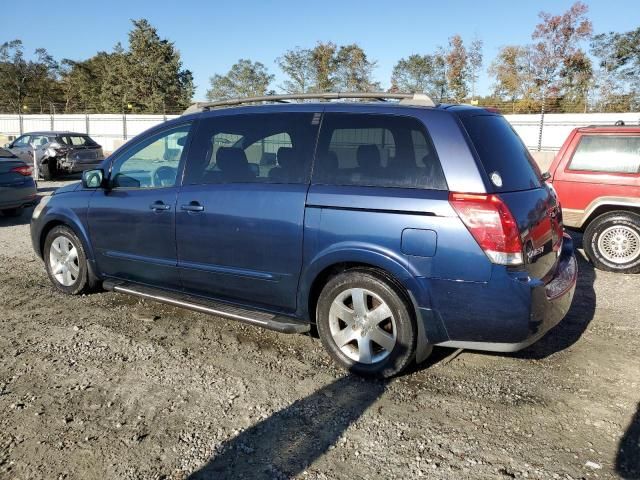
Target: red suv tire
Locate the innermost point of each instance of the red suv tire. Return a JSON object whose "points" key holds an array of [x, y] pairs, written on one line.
{"points": [[612, 242]]}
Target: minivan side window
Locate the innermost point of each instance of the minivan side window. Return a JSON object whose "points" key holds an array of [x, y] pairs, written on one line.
{"points": [[607, 153], [253, 148], [153, 163], [376, 150]]}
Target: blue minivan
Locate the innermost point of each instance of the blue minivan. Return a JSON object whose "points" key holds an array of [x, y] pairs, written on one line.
{"points": [[388, 226]]}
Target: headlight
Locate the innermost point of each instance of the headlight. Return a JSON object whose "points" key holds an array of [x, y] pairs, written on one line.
{"points": [[38, 210]]}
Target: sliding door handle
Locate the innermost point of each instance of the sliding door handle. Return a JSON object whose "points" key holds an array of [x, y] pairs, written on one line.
{"points": [[159, 207], [192, 207]]}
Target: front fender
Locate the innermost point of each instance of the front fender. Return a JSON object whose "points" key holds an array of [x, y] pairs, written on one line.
{"points": [[69, 216]]}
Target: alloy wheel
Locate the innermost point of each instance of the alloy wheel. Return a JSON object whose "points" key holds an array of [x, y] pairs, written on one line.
{"points": [[362, 325], [64, 262]]}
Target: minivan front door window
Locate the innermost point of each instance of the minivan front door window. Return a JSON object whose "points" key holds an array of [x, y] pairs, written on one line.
{"points": [[152, 163]]}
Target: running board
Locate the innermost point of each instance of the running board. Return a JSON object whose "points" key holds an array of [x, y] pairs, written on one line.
{"points": [[279, 323]]}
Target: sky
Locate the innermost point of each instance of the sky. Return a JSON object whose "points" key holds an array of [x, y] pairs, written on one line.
{"points": [[212, 35]]}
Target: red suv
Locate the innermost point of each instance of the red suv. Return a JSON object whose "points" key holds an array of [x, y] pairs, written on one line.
{"points": [[597, 177]]}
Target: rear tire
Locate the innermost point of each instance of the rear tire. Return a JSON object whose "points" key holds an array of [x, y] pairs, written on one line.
{"points": [[612, 242], [49, 170], [13, 212], [66, 262], [365, 324]]}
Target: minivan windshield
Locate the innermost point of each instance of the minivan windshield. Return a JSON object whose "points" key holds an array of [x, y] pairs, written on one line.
{"points": [[502, 153]]}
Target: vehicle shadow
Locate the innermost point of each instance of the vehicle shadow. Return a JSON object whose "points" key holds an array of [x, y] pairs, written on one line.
{"points": [[47, 189], [582, 311], [286, 443], [628, 458], [24, 219]]}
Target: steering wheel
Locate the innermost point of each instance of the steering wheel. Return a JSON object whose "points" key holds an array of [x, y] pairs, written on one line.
{"points": [[164, 177]]}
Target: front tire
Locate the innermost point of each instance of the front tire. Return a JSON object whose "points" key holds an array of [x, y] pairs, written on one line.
{"points": [[365, 324], [612, 242], [66, 262]]}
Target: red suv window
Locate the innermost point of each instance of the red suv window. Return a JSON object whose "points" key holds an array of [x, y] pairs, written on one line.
{"points": [[607, 153]]}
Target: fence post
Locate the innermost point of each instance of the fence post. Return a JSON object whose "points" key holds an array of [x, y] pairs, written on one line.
{"points": [[51, 122], [124, 127], [21, 126], [86, 123], [540, 132], [36, 167]]}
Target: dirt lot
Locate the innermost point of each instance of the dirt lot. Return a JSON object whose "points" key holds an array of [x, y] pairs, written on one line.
{"points": [[106, 386]]}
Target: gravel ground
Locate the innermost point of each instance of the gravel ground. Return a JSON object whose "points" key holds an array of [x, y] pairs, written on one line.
{"points": [[107, 386]]}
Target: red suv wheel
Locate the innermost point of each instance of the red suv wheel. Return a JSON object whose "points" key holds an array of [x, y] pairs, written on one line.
{"points": [[612, 242]]}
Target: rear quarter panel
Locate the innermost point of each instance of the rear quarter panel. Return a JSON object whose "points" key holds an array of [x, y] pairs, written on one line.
{"points": [[366, 225]]}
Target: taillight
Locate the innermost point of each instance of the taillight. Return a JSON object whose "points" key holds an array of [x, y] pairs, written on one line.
{"points": [[491, 224], [24, 170]]}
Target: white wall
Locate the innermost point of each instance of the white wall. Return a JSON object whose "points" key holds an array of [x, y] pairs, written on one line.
{"points": [[558, 125], [109, 129]]}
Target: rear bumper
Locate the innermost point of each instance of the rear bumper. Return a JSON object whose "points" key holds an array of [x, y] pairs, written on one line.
{"points": [[523, 312], [16, 196]]}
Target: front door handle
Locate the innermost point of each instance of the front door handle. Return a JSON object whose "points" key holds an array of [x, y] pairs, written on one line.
{"points": [[159, 206], [192, 207]]}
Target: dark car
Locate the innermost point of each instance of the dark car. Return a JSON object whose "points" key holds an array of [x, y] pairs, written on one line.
{"points": [[17, 187], [391, 226], [597, 176], [58, 152]]}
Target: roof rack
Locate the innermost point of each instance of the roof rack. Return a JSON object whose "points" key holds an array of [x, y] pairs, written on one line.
{"points": [[418, 99], [616, 124]]}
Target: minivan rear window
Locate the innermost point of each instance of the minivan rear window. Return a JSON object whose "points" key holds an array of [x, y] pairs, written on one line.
{"points": [[502, 152]]}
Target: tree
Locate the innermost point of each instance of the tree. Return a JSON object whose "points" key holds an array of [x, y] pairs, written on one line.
{"points": [[619, 52], [27, 83], [324, 64], [475, 63], [457, 68], [82, 81], [354, 72], [420, 73], [156, 77], [576, 80], [413, 74], [44, 89], [14, 76], [440, 81], [244, 79], [558, 47], [297, 64], [116, 92], [618, 76], [514, 77]]}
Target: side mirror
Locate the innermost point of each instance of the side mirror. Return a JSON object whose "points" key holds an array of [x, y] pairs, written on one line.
{"points": [[8, 145], [546, 176], [93, 178]]}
